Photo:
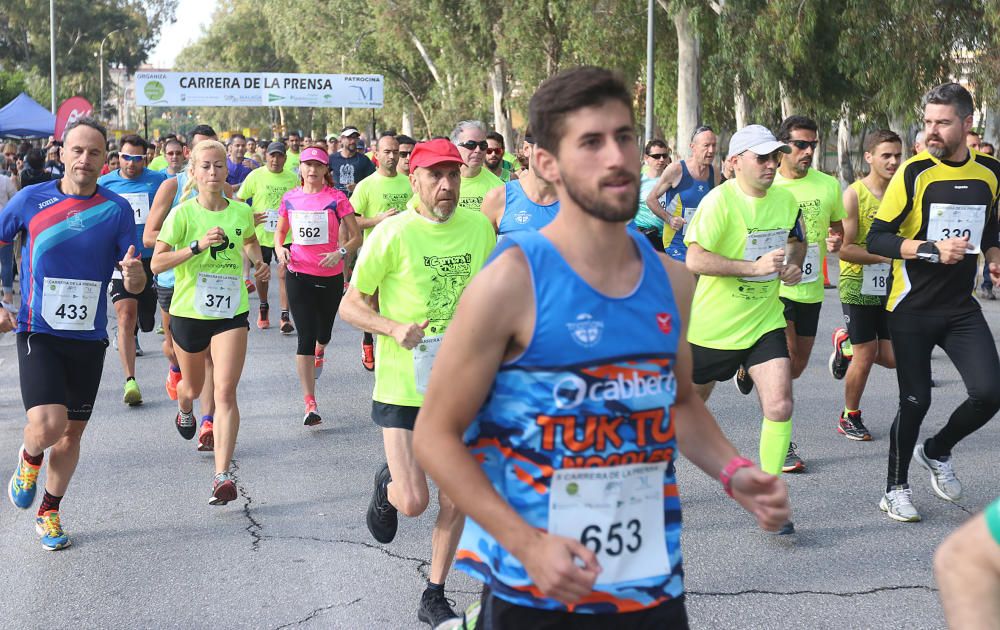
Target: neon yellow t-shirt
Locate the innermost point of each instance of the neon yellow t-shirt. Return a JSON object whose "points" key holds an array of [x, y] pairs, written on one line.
{"points": [[474, 189], [158, 163], [265, 189], [818, 195], [377, 193], [729, 313], [220, 268], [419, 268], [292, 161]]}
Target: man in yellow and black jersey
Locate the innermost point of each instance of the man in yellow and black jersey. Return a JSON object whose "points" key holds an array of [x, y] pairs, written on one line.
{"points": [[938, 213]]}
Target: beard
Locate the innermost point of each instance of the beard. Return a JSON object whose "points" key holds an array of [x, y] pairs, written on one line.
{"points": [[591, 203], [940, 149], [443, 211]]}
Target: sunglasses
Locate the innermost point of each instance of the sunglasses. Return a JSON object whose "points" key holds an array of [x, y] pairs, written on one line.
{"points": [[802, 145], [764, 159], [405, 154], [472, 145], [658, 156], [494, 151], [128, 157]]}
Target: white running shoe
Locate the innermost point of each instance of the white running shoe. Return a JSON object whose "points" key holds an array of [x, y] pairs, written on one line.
{"points": [[946, 485], [896, 503]]}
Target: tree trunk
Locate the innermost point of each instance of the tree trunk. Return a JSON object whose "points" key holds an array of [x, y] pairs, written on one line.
{"points": [[688, 80], [427, 58], [788, 106], [498, 86], [742, 107], [991, 133], [846, 169], [897, 123], [406, 125]]}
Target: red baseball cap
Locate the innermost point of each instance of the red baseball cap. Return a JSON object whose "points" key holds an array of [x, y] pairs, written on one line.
{"points": [[315, 154], [435, 152]]}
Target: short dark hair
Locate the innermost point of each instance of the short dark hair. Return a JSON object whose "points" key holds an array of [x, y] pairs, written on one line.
{"points": [[235, 136], [793, 122], [136, 141], [87, 121], [405, 139], [983, 147], [567, 92], [655, 142], [295, 133], [496, 137], [879, 136], [204, 130], [950, 94], [388, 132], [35, 158], [173, 140]]}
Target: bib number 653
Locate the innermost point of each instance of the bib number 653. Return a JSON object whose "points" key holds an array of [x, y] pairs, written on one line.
{"points": [[612, 542]]}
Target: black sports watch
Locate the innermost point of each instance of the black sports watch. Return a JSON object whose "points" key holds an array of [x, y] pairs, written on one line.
{"points": [[929, 252], [195, 248]]}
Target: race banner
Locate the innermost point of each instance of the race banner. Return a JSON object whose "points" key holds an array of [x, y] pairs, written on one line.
{"points": [[71, 109], [257, 89]]}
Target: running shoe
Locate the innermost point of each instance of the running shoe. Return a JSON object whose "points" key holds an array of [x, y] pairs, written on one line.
{"points": [[743, 381], [311, 418], [23, 483], [435, 608], [318, 363], [223, 489], [852, 428], [897, 504], [132, 397], [793, 463], [286, 325], [206, 438], [368, 356], [382, 517], [786, 529], [946, 485], [159, 329], [264, 319], [50, 529], [138, 349], [186, 425], [842, 354], [251, 287], [173, 378]]}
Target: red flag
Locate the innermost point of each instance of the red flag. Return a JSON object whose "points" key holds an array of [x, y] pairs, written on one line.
{"points": [[71, 109]]}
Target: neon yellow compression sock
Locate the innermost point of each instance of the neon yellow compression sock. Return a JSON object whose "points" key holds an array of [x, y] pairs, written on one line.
{"points": [[774, 440]]}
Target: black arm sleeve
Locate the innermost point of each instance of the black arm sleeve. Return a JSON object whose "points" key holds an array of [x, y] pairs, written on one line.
{"points": [[883, 240]]}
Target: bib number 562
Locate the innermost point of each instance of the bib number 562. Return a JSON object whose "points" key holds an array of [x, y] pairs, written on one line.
{"points": [[309, 232], [620, 537]]}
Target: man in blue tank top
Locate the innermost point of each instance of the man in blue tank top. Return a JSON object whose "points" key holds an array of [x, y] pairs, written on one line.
{"points": [[575, 393], [527, 203], [681, 188]]}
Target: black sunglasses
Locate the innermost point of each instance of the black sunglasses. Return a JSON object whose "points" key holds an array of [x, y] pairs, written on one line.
{"points": [[802, 145], [405, 153], [472, 144], [658, 156], [764, 159]]}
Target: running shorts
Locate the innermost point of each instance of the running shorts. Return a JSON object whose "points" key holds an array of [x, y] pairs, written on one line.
{"points": [[711, 364], [60, 371], [804, 316], [266, 254], [164, 295], [194, 335], [389, 416], [499, 614], [866, 323]]}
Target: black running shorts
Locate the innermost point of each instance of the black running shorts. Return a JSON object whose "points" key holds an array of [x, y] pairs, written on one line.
{"points": [[805, 317], [390, 416], [194, 335], [60, 371], [711, 364]]}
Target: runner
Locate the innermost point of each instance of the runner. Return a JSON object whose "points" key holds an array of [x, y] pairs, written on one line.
{"points": [[526, 203], [313, 214], [470, 138], [746, 238], [967, 569], [935, 217], [918, 142], [263, 188], [349, 166], [406, 144], [681, 188], [137, 185], [159, 161], [863, 285], [73, 232], [657, 157], [822, 209], [204, 239], [238, 171], [293, 145], [419, 262], [375, 199], [548, 556], [495, 150]]}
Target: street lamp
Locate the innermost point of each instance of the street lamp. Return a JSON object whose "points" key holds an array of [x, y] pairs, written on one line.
{"points": [[101, 61]]}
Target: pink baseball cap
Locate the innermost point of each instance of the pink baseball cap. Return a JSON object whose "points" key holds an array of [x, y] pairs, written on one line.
{"points": [[316, 154]]}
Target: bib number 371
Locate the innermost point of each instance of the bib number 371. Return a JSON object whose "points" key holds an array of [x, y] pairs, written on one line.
{"points": [[217, 295], [617, 512]]}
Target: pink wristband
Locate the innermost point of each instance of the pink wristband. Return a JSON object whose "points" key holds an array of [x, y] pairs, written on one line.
{"points": [[726, 476]]}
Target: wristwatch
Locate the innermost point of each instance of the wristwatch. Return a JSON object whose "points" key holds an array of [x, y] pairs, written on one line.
{"points": [[343, 251], [726, 476], [195, 248], [928, 251]]}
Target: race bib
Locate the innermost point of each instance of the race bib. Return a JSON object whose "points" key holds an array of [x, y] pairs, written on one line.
{"points": [[617, 512], [423, 359], [217, 295], [876, 279], [760, 243], [810, 266], [270, 221], [70, 304], [140, 205], [310, 228], [949, 220], [687, 213]]}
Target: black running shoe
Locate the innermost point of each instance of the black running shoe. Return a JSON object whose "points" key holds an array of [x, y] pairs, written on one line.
{"points": [[793, 463], [786, 529], [743, 381], [382, 517], [435, 608], [851, 427], [186, 425]]}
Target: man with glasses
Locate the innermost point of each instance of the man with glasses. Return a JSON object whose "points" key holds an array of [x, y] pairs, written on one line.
{"points": [[470, 138], [745, 240], [349, 166], [526, 203], [657, 158], [406, 144], [495, 150], [680, 189], [173, 151], [138, 185]]}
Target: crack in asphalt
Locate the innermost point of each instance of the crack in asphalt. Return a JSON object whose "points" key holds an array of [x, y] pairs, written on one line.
{"points": [[317, 612], [254, 528], [873, 591]]}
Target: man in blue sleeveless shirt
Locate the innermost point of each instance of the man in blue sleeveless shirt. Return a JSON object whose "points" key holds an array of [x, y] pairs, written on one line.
{"points": [[527, 203], [563, 389]]}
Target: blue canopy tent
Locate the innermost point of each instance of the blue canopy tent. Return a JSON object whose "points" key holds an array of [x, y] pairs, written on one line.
{"points": [[23, 117]]}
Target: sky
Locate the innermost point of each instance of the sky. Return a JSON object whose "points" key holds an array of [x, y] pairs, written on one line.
{"points": [[192, 15]]}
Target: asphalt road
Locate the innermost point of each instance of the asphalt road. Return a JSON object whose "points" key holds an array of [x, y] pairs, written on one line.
{"points": [[293, 551]]}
